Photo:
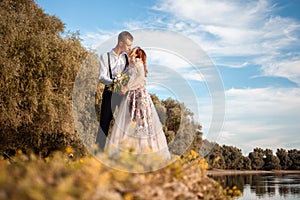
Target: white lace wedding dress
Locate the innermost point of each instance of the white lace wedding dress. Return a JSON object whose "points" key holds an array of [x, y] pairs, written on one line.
{"points": [[137, 128]]}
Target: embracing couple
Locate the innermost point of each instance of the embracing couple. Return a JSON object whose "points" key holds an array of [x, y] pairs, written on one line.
{"points": [[137, 127]]}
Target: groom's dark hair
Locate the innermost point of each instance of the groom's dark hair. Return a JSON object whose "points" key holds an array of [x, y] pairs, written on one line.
{"points": [[124, 35]]}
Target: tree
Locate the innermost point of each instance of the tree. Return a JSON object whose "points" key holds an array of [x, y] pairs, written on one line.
{"points": [[182, 132], [271, 161], [246, 163], [285, 161], [294, 155], [232, 156], [256, 158], [215, 157], [174, 113]]}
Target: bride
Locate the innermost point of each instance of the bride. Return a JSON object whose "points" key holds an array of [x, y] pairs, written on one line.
{"points": [[137, 128]]}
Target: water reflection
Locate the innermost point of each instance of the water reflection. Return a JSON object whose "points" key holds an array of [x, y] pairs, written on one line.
{"points": [[263, 186]]}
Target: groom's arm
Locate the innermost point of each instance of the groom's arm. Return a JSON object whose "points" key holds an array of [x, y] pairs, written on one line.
{"points": [[104, 71]]}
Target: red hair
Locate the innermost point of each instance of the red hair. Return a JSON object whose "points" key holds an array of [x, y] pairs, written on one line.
{"points": [[137, 52]]}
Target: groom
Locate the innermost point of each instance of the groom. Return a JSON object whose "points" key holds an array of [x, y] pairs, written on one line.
{"points": [[111, 63]]}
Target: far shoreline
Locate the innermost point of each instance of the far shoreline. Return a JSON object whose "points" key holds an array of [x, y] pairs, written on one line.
{"points": [[224, 172]]}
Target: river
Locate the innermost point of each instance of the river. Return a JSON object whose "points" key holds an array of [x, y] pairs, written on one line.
{"points": [[263, 186]]}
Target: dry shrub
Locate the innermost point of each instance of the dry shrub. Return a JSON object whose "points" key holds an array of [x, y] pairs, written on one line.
{"points": [[37, 71], [58, 177]]}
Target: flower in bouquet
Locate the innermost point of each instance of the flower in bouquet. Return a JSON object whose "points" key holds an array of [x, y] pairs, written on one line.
{"points": [[119, 81]]}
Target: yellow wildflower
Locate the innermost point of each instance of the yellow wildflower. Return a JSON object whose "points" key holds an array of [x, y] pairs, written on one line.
{"points": [[128, 196], [69, 149], [19, 152]]}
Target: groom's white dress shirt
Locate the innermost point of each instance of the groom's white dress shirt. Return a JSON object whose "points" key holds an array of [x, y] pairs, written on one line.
{"points": [[117, 64]]}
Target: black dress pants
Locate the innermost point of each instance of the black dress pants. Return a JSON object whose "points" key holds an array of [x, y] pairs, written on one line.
{"points": [[109, 103]]}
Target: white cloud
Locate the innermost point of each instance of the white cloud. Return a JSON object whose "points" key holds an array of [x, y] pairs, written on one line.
{"points": [[166, 59], [174, 62], [234, 28], [237, 13], [233, 35], [289, 69], [265, 117], [92, 40]]}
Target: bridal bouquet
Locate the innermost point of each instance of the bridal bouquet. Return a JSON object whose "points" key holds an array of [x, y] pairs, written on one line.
{"points": [[119, 81]]}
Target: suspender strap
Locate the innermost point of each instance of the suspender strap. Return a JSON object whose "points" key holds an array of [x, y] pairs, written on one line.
{"points": [[108, 58], [109, 67], [127, 63]]}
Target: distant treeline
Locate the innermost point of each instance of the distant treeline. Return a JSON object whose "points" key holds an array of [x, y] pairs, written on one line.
{"points": [[229, 157]]}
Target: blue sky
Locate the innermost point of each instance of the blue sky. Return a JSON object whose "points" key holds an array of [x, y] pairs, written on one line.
{"points": [[255, 46]]}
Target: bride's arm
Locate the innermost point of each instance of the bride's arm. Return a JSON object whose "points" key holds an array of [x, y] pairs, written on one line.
{"points": [[139, 80]]}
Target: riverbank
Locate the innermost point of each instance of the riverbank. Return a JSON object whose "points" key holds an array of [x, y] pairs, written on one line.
{"points": [[59, 176], [222, 172]]}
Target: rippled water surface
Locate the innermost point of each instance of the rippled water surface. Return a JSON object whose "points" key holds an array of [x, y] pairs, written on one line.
{"points": [[264, 186]]}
